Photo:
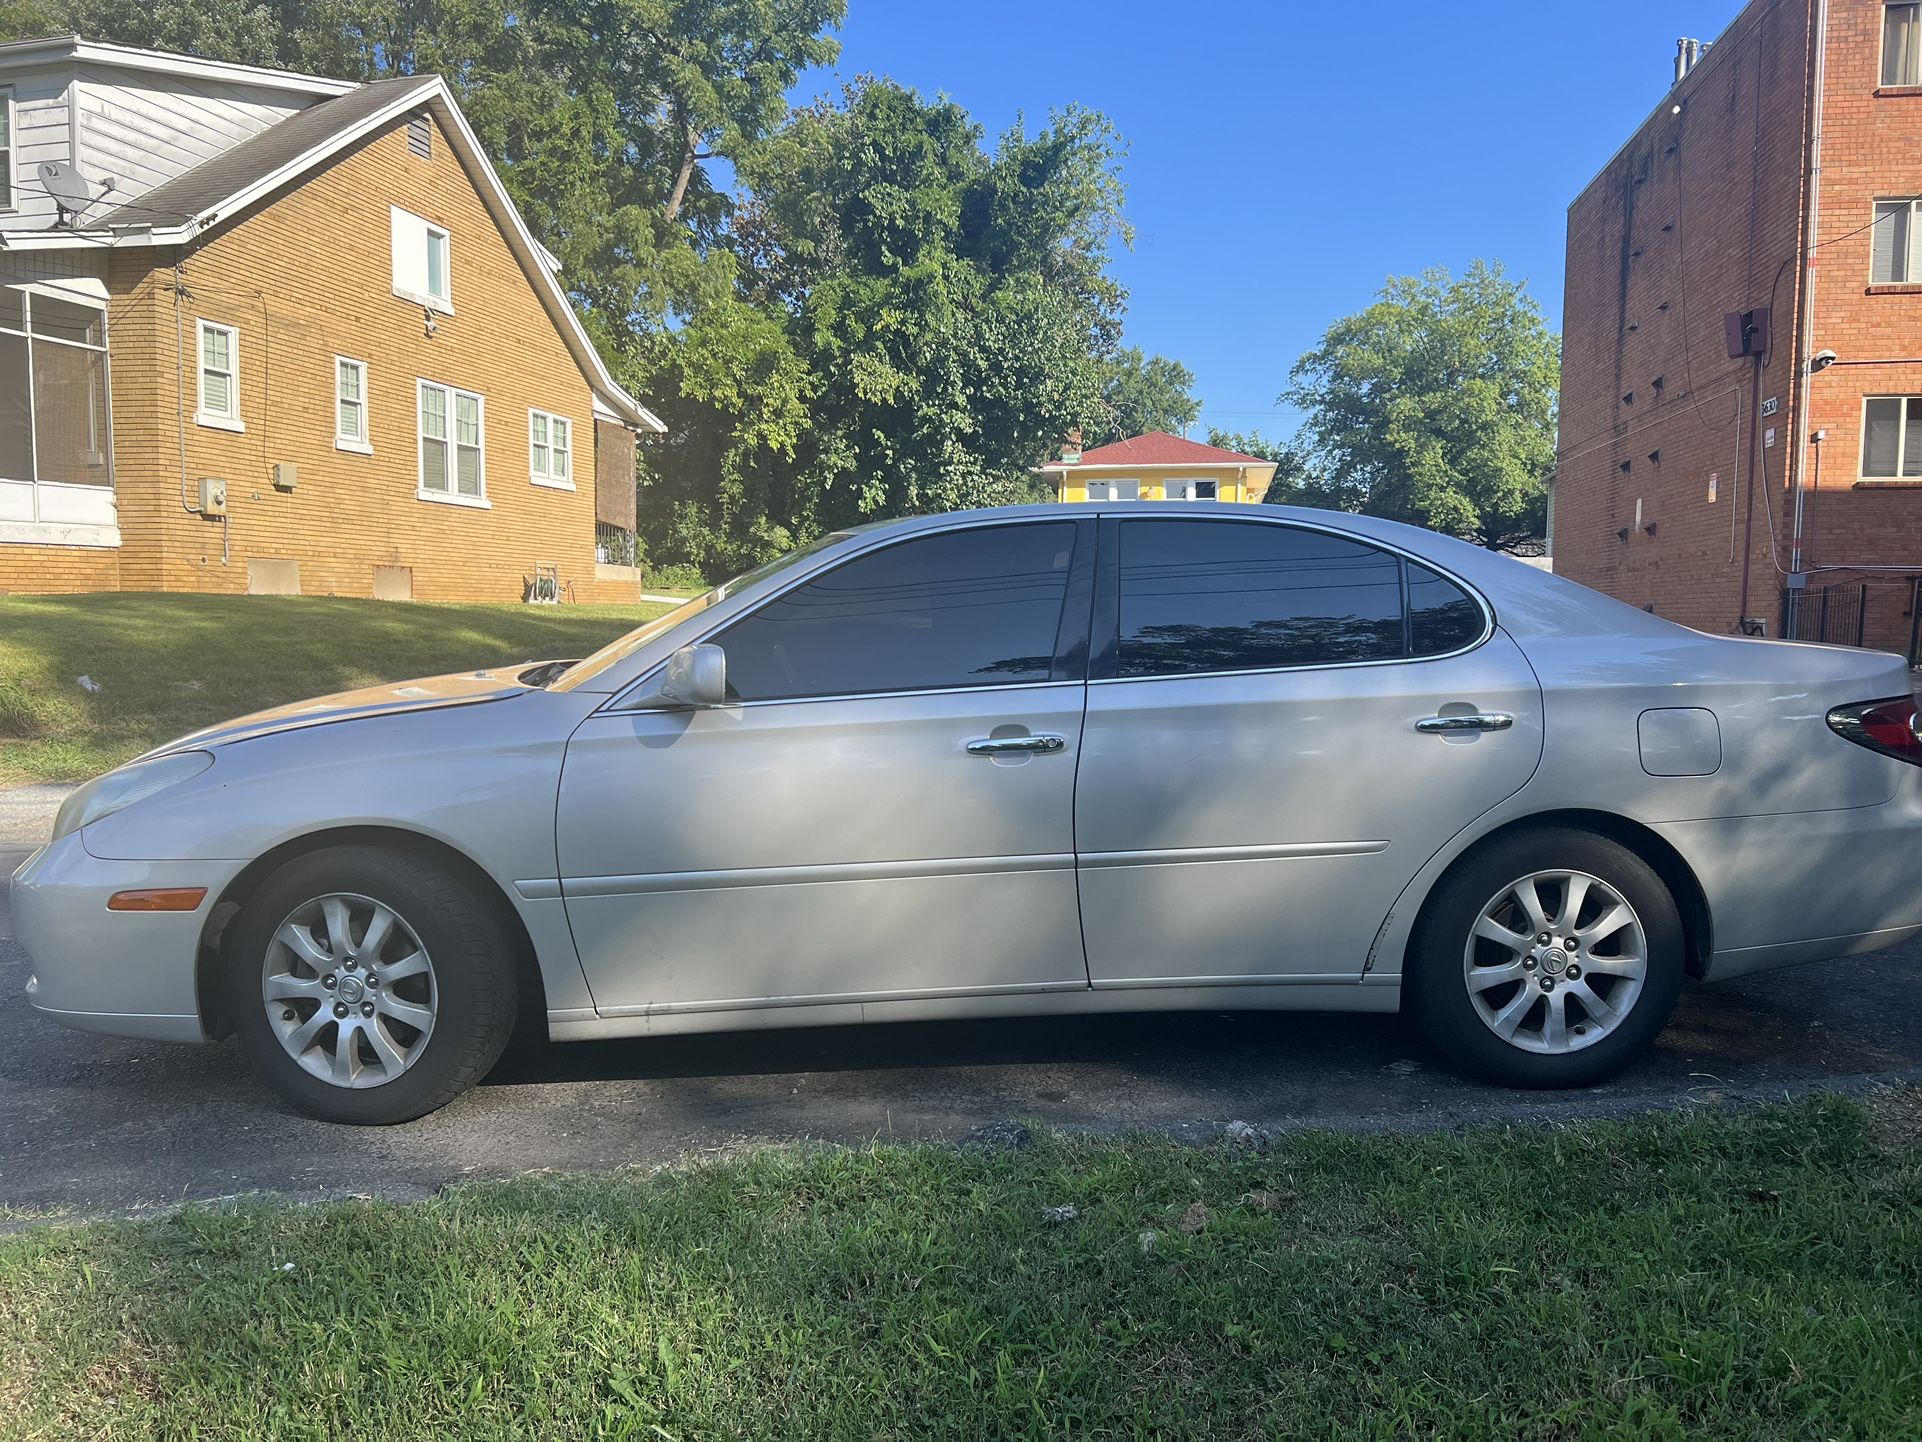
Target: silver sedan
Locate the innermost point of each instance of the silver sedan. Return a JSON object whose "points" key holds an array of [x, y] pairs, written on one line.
{"points": [[1034, 761]]}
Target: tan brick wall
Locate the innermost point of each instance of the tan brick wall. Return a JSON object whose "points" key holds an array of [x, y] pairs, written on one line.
{"points": [[58, 569], [302, 280]]}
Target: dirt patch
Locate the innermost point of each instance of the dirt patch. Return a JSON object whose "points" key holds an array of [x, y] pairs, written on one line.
{"points": [[1895, 1119]]}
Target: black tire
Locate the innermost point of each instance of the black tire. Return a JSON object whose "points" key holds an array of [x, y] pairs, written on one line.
{"points": [[1437, 987], [475, 980]]}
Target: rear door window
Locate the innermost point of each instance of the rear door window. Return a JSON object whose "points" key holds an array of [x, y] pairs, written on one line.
{"points": [[1204, 596]]}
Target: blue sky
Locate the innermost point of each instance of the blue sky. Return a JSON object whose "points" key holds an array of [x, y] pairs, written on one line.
{"points": [[1285, 158]]}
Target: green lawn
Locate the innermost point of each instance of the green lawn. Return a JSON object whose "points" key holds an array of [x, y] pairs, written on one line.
{"points": [[169, 664], [1738, 1274]]}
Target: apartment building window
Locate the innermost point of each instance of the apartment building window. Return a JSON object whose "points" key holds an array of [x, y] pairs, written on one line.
{"points": [[6, 149], [1892, 438], [219, 377], [452, 464], [422, 261], [1901, 51], [550, 459], [350, 406], [1897, 236]]}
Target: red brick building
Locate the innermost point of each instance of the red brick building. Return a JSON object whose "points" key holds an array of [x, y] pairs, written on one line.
{"points": [[1779, 179]]}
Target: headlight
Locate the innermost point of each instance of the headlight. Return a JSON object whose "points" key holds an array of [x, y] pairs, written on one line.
{"points": [[118, 790]]}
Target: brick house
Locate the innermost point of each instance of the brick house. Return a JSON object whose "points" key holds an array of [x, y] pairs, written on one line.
{"points": [[302, 343], [1157, 467], [1782, 173]]}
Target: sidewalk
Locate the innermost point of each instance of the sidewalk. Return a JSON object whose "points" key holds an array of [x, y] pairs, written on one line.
{"points": [[26, 814]]}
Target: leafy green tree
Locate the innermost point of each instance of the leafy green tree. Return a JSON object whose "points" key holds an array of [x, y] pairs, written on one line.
{"points": [[1141, 393], [1435, 405], [917, 322]]}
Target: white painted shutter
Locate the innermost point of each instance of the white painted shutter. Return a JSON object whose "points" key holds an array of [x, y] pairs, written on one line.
{"points": [[410, 252]]}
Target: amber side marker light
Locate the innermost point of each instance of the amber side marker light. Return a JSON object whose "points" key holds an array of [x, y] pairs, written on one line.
{"points": [[161, 898]]}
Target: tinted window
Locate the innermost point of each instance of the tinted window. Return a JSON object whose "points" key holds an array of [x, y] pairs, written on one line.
{"points": [[964, 608], [1209, 596], [1442, 617]]}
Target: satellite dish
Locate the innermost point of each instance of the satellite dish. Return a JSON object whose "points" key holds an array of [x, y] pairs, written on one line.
{"points": [[71, 190]]}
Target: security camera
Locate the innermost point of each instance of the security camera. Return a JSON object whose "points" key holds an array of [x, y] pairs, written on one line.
{"points": [[1821, 360]]}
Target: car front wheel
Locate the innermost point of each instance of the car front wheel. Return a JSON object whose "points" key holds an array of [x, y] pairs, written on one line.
{"points": [[1551, 958], [369, 985]]}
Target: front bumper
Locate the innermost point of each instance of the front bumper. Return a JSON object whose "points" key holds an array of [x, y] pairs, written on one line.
{"points": [[128, 973]]}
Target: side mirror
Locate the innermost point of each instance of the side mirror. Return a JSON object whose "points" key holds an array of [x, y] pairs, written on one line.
{"points": [[693, 676]]}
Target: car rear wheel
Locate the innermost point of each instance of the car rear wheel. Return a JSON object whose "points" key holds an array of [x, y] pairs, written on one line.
{"points": [[369, 985], [1551, 958]]}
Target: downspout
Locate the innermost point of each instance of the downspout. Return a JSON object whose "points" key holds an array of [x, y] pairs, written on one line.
{"points": [[1805, 351]]}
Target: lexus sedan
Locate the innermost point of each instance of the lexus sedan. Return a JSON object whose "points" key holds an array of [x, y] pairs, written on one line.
{"points": [[1037, 761]]}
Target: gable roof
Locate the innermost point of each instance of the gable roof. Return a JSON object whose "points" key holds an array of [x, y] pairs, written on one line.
{"points": [[202, 191], [290, 150], [1156, 448]]}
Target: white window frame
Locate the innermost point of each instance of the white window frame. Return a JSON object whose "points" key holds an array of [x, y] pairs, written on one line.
{"points": [[60, 513], [544, 473], [445, 295], [1901, 442], [8, 199], [362, 444], [229, 419], [1111, 488], [1191, 482], [451, 496], [1881, 52]]}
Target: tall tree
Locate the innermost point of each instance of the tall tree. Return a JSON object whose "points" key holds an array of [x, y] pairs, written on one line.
{"points": [[1142, 393], [1435, 405], [918, 319]]}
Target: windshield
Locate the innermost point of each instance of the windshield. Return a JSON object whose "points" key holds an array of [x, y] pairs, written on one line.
{"points": [[620, 649]]}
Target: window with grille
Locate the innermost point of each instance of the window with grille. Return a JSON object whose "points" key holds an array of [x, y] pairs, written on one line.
{"points": [[550, 459], [350, 405], [452, 464], [219, 376]]}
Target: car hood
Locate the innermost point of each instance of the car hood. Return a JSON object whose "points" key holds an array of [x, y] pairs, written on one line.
{"points": [[429, 693]]}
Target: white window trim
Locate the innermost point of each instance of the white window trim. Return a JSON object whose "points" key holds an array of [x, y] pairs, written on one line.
{"points": [[217, 420], [450, 497], [1901, 441], [9, 201], [547, 478], [362, 445], [444, 304]]}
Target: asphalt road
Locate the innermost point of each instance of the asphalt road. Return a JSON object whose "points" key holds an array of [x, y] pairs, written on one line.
{"points": [[100, 1124]]}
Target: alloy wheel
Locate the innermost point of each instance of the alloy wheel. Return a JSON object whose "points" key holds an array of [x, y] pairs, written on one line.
{"points": [[1555, 961], [349, 990]]}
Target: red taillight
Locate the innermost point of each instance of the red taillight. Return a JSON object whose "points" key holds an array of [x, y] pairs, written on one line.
{"points": [[1885, 726]]}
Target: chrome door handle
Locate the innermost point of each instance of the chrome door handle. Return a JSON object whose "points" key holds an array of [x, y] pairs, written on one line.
{"points": [[1476, 721], [996, 745]]}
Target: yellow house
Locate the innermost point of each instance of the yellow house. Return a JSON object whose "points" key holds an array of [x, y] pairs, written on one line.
{"points": [[1159, 467]]}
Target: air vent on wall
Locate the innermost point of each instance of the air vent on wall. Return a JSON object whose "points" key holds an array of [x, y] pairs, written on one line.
{"points": [[420, 136]]}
